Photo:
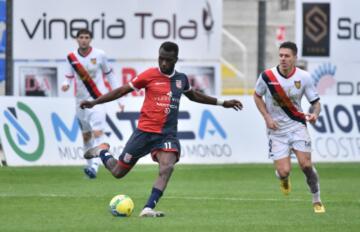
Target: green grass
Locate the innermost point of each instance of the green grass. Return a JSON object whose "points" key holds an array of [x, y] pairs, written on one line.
{"points": [[198, 198]]}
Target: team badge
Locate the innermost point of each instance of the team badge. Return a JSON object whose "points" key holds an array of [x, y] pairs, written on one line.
{"points": [[178, 84], [93, 60], [297, 84]]}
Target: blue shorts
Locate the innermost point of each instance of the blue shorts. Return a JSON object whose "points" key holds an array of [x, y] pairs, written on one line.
{"points": [[142, 143]]}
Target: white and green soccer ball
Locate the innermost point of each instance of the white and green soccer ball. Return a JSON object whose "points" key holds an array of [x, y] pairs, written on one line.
{"points": [[121, 206]]}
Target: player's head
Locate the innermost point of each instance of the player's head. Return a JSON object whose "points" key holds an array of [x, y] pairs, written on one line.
{"points": [[168, 56], [287, 55], [83, 37]]}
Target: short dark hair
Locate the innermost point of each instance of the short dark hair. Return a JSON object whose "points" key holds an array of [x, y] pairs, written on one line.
{"points": [[84, 31], [170, 47], [290, 45]]}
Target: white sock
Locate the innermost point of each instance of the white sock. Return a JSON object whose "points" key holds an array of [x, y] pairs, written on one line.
{"points": [[316, 197]]}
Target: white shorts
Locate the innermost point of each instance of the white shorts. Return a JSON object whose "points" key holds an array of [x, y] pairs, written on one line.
{"points": [[280, 146], [91, 119]]}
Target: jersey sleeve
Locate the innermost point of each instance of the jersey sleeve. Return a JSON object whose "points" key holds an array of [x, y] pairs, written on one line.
{"points": [[260, 87], [69, 70], [187, 86], [69, 73], [141, 80], [310, 90]]}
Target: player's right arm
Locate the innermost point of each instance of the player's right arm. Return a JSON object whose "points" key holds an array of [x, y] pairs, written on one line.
{"points": [[69, 76], [260, 90], [110, 96]]}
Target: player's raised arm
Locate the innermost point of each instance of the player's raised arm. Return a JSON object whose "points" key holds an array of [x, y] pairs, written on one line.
{"points": [[110, 96], [199, 97]]}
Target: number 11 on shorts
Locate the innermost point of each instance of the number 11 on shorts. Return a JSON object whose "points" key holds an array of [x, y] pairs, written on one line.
{"points": [[167, 145]]}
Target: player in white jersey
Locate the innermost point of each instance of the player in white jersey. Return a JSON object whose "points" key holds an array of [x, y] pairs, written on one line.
{"points": [[283, 87], [88, 66]]}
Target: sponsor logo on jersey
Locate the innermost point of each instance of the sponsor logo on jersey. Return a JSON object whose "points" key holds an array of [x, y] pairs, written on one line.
{"points": [[297, 84], [273, 83]]}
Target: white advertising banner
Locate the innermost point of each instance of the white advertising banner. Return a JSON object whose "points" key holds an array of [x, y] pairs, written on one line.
{"points": [[328, 35], [45, 29], [44, 131], [44, 78]]}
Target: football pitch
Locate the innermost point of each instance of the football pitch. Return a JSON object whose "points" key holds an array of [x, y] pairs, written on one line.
{"points": [[198, 198]]}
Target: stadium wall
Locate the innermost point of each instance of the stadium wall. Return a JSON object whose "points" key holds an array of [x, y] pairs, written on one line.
{"points": [[129, 35], [44, 131]]}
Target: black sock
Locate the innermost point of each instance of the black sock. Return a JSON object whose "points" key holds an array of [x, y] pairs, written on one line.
{"points": [[105, 155], [312, 179], [154, 198]]}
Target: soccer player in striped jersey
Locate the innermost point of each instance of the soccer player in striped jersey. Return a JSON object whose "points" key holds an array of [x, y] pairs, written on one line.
{"points": [[157, 128], [88, 66], [283, 87]]}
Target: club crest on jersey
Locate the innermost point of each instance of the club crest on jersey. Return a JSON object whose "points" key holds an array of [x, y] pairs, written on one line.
{"points": [[93, 60], [178, 84], [127, 158], [297, 84]]}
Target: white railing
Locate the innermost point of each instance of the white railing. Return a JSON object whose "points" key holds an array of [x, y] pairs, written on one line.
{"points": [[243, 51]]}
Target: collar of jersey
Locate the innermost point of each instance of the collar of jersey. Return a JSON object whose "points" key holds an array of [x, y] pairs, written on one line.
{"points": [[289, 75], [169, 76]]}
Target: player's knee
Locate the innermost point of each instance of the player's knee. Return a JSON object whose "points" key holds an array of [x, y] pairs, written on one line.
{"points": [[283, 172], [305, 165], [166, 169], [86, 137]]}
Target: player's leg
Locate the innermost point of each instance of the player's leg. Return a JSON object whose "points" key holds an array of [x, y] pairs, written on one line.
{"points": [[89, 170], [95, 118], [166, 153], [98, 138], [302, 149], [85, 126], [279, 152], [166, 162], [136, 147], [282, 172], [312, 179]]}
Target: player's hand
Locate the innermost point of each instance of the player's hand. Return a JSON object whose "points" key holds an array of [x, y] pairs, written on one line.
{"points": [[65, 88], [311, 118], [270, 123], [236, 104], [86, 104]]}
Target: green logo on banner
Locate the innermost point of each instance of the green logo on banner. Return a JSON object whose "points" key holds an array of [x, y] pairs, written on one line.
{"points": [[29, 156]]}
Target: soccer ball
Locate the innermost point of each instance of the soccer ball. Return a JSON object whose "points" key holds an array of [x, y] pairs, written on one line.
{"points": [[121, 206]]}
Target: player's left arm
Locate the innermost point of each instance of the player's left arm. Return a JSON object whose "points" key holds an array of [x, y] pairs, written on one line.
{"points": [[199, 97], [314, 112], [314, 99]]}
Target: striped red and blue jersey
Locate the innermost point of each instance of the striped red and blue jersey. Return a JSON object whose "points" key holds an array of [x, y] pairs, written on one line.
{"points": [[159, 112]]}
